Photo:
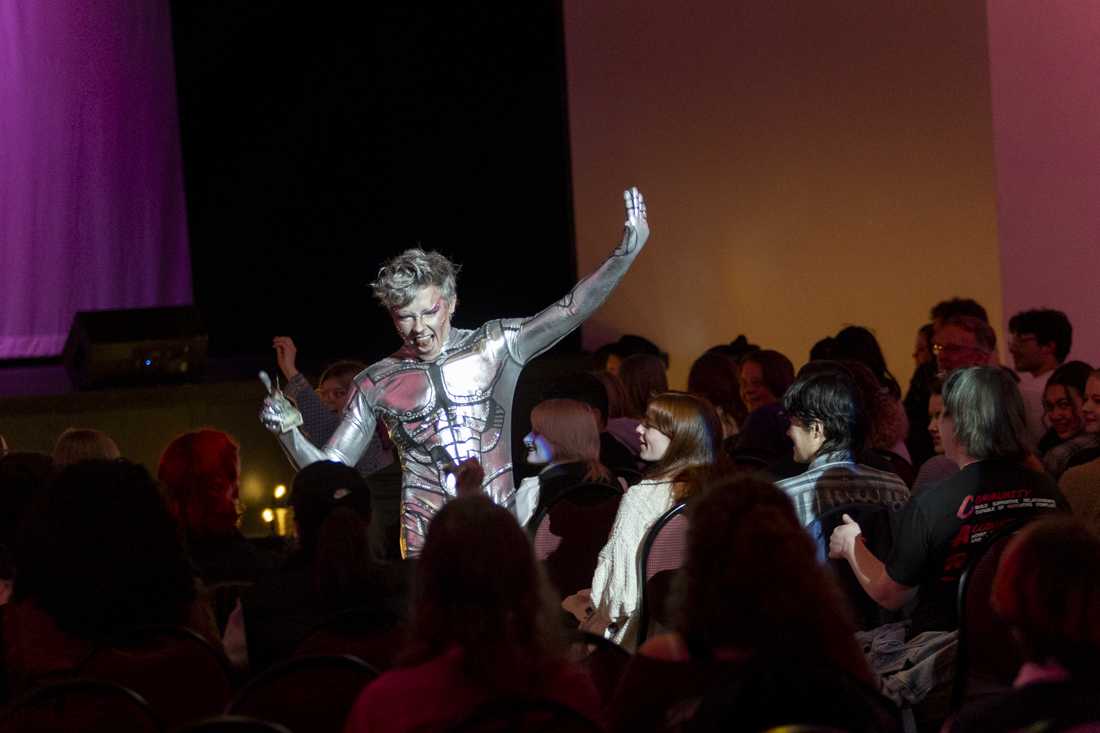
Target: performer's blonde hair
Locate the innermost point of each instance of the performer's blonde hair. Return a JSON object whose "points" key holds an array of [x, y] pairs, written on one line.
{"points": [[401, 277]]}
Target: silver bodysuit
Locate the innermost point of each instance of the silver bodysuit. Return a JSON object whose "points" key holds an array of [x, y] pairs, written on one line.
{"points": [[458, 406]]}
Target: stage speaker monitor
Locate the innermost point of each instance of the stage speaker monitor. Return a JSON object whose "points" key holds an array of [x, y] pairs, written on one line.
{"points": [[138, 346]]}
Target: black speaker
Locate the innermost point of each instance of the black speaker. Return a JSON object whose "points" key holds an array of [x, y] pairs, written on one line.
{"points": [[138, 346]]}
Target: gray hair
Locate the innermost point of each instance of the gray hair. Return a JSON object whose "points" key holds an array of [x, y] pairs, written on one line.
{"points": [[400, 278], [990, 419], [984, 335]]}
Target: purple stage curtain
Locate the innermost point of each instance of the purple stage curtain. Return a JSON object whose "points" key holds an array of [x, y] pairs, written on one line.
{"points": [[91, 191]]}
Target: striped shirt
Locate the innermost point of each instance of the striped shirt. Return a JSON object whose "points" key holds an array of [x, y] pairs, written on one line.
{"points": [[835, 478]]}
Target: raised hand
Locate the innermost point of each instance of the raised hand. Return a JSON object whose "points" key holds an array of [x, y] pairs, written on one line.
{"points": [[636, 226], [278, 414], [286, 354]]}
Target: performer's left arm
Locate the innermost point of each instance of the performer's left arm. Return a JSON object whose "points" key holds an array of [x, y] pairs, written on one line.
{"points": [[540, 332]]}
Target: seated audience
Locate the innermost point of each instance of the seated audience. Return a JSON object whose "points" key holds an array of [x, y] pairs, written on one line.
{"points": [[889, 424], [100, 554], [643, 376], [680, 439], [1045, 589], [963, 341], [22, 475], [1081, 483], [983, 428], [760, 626], [484, 627], [764, 376], [1041, 340], [564, 441], [1066, 438], [321, 411], [956, 307], [330, 570], [609, 357], [829, 429], [918, 441], [200, 472], [604, 393], [80, 444], [938, 467], [713, 376]]}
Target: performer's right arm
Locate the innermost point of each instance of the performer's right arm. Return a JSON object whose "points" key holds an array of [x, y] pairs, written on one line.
{"points": [[347, 445]]}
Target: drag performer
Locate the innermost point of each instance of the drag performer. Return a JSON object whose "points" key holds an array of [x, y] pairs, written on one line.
{"points": [[446, 395]]}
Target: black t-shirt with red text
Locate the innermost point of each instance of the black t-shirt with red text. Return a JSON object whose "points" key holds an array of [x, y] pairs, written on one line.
{"points": [[939, 530]]}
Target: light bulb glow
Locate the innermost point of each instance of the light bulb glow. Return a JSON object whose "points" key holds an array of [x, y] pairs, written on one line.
{"points": [[268, 515]]}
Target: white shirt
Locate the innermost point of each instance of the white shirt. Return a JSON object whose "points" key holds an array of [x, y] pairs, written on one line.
{"points": [[615, 586]]}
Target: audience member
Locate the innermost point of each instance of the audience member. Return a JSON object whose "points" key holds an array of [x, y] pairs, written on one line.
{"points": [[938, 467], [321, 413], [1066, 438], [80, 444], [919, 441], [200, 472], [1041, 340], [1046, 590], [22, 475], [714, 376], [963, 341], [957, 307], [609, 357], [887, 423], [100, 554], [330, 570], [643, 376], [758, 619], [829, 429], [1081, 482], [604, 393], [764, 376], [484, 627], [983, 428], [565, 442], [856, 343], [681, 440]]}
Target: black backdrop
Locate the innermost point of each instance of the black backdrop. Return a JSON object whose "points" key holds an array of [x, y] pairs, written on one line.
{"points": [[319, 139]]}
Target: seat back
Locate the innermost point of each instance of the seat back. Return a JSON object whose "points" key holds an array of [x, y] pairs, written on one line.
{"points": [[663, 550], [523, 715], [874, 523], [80, 704], [988, 658], [604, 660], [569, 534], [158, 662], [371, 634], [305, 693]]}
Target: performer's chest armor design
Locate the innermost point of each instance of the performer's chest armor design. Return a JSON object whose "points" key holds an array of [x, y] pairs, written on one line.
{"points": [[450, 404]]}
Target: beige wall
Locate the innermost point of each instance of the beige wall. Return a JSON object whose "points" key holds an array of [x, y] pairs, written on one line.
{"points": [[807, 165]]}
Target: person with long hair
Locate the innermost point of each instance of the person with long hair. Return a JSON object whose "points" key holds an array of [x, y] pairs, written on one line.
{"points": [[764, 377], [484, 627], [1046, 590], [983, 428], [99, 554], [200, 472], [1065, 438], [681, 439], [1079, 482], [755, 606], [565, 441], [714, 375]]}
